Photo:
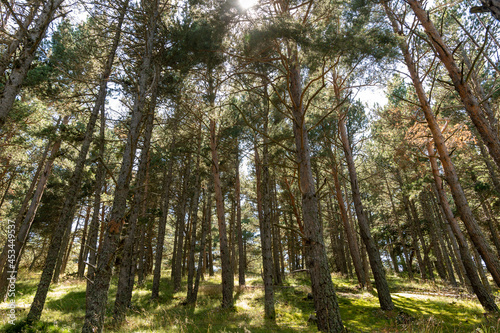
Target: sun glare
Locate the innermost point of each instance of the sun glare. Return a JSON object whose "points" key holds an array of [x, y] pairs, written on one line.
{"points": [[246, 4]]}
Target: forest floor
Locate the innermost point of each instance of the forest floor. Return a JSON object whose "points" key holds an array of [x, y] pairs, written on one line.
{"points": [[420, 307]]}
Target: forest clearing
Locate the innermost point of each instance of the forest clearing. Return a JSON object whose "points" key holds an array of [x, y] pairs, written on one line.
{"points": [[249, 165]]}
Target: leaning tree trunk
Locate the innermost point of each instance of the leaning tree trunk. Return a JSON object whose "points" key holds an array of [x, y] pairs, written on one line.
{"points": [[24, 228], [484, 297], [383, 292], [325, 299], [124, 288], [91, 244], [351, 236], [8, 55], [97, 292], [470, 102], [32, 39], [475, 233], [20, 217], [69, 205]]}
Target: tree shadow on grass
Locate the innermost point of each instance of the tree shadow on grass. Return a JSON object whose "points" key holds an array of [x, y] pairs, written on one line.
{"points": [[69, 303]]}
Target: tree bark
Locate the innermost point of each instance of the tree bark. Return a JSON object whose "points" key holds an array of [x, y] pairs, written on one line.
{"points": [[83, 254], [31, 42], [97, 292], [325, 299], [204, 230], [126, 275], [461, 203], [191, 299], [470, 102], [25, 226], [429, 219], [167, 181], [99, 183], [351, 236], [263, 204], [181, 226], [383, 292], [227, 273], [241, 252]]}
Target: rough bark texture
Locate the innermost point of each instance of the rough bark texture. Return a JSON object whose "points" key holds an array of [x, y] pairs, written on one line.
{"points": [[263, 203], [167, 181], [484, 297], [191, 299], [383, 292], [31, 41], [325, 299], [241, 252], [351, 236], [83, 254], [69, 205], [181, 226], [227, 273], [25, 218], [475, 233], [126, 278], [97, 292], [470, 102], [204, 230], [492, 6], [99, 183]]}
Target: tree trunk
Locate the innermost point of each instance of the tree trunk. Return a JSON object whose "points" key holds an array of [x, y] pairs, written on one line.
{"points": [[241, 252], [99, 183], [25, 226], [167, 181], [126, 275], [83, 254], [22, 211], [461, 203], [31, 41], [275, 230], [227, 273], [470, 102], [441, 238], [325, 299], [97, 292], [429, 219], [406, 256], [484, 296], [191, 299], [204, 229], [351, 236], [383, 292], [181, 226], [413, 227], [264, 212]]}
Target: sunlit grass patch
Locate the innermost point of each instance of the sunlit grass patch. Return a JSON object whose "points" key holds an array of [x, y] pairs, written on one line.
{"points": [[420, 307]]}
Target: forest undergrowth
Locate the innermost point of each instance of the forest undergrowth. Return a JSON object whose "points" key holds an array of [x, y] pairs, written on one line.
{"points": [[420, 307]]}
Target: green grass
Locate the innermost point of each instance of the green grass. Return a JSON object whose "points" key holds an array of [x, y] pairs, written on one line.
{"points": [[421, 307]]}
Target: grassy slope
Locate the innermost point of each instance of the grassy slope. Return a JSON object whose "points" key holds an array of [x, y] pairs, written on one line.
{"points": [[421, 307]]}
